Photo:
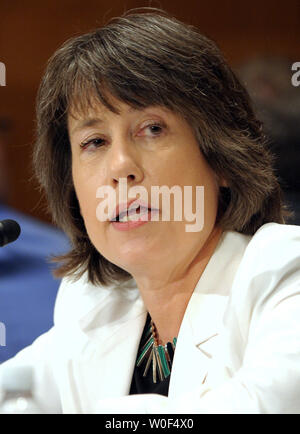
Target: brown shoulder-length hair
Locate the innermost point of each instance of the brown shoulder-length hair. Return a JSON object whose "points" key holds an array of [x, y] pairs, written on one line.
{"points": [[149, 58]]}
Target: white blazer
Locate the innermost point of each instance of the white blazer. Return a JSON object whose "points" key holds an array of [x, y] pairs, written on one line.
{"points": [[238, 348]]}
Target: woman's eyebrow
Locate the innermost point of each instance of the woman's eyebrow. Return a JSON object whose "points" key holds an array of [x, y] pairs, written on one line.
{"points": [[91, 122]]}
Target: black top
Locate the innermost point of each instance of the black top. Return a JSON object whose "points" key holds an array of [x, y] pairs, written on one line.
{"points": [[140, 384]]}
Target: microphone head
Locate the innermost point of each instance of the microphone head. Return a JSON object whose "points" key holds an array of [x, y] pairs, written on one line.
{"points": [[9, 231]]}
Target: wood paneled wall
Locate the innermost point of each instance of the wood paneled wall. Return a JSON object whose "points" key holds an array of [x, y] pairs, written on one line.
{"points": [[30, 31]]}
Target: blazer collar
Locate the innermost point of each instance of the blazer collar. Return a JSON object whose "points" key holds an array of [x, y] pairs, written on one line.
{"points": [[110, 336], [200, 337], [206, 307], [120, 305]]}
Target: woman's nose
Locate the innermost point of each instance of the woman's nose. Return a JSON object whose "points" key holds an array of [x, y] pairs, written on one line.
{"points": [[124, 162]]}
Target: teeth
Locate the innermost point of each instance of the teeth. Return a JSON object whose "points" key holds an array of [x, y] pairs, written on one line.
{"points": [[124, 218], [132, 217]]}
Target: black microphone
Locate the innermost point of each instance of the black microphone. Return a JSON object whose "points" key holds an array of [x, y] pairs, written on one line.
{"points": [[9, 231]]}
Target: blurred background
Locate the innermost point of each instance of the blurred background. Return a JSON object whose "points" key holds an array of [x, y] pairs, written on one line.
{"points": [[31, 31]]}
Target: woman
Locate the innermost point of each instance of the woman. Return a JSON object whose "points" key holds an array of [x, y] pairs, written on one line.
{"points": [[198, 321]]}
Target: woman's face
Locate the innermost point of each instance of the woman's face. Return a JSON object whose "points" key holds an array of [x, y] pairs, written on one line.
{"points": [[146, 147]]}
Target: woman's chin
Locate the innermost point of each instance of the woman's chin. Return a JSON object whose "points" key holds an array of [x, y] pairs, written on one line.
{"points": [[133, 258]]}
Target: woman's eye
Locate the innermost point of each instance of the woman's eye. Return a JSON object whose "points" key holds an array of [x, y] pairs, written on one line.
{"points": [[152, 130], [96, 143]]}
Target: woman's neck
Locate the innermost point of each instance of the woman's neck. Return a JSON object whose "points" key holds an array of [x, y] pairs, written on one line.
{"points": [[167, 299]]}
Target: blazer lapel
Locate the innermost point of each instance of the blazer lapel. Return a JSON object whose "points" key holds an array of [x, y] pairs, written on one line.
{"points": [[105, 365], [198, 341], [201, 335]]}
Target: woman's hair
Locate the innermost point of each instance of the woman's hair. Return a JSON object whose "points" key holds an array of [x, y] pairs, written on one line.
{"points": [[148, 59]]}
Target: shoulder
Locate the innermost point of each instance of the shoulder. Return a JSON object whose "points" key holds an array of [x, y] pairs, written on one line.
{"points": [[78, 298], [273, 246], [268, 273], [275, 232]]}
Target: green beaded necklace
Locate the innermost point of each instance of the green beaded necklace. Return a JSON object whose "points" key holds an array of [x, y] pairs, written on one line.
{"points": [[161, 356]]}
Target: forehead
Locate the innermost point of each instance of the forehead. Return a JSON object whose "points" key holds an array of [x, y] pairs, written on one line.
{"points": [[98, 110]]}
